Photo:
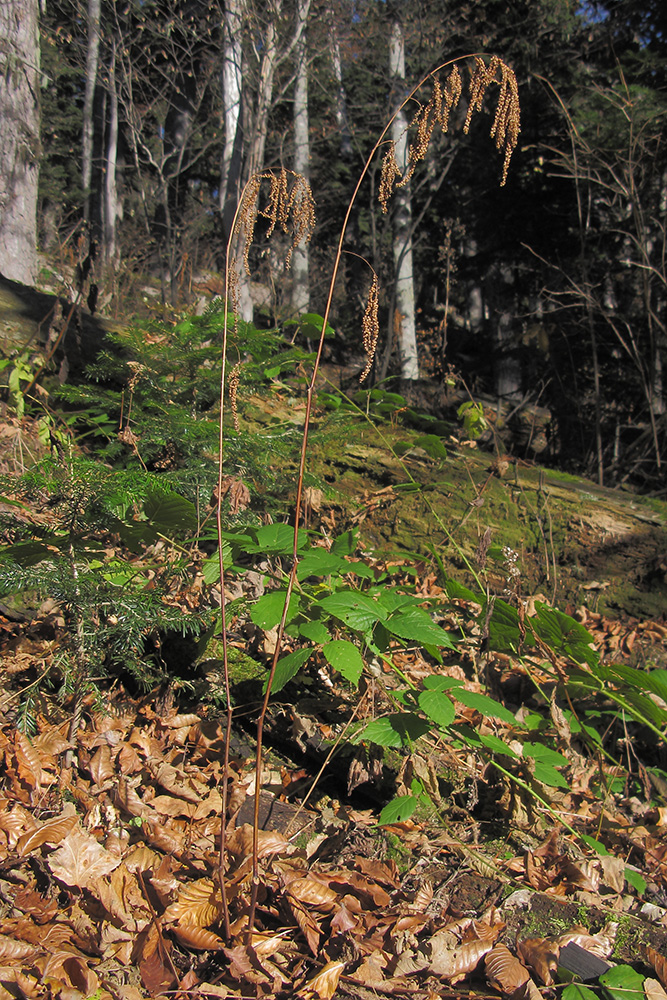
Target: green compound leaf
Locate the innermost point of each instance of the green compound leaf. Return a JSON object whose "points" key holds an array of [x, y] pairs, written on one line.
{"points": [[484, 704], [398, 730], [438, 707], [277, 539], [623, 983], [416, 625], [345, 658], [288, 667]]}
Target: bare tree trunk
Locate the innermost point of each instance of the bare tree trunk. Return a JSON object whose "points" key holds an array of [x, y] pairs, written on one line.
{"points": [[92, 61], [340, 97], [19, 138], [265, 89], [404, 318], [111, 205], [300, 260], [232, 83]]}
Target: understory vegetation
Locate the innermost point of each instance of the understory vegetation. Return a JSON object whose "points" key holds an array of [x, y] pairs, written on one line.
{"points": [[198, 631]]}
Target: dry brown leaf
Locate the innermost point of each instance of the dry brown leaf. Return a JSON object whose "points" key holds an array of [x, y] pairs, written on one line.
{"points": [[541, 955], [450, 958], [239, 843], [314, 893], [197, 937], [168, 805], [127, 799], [80, 860], [654, 990], [28, 901], [600, 944], [343, 921], [504, 972], [325, 983], [181, 721], [308, 926], [266, 944], [156, 975], [371, 970], [122, 898], [101, 766], [423, 898], [14, 951], [176, 782], [80, 975], [657, 962], [198, 904], [52, 831], [381, 871]]}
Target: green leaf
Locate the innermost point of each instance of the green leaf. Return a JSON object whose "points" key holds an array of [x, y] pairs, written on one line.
{"points": [[484, 704], [346, 544], [275, 539], [458, 592], [637, 881], [169, 513], [288, 667], [577, 992], [345, 658], [504, 634], [545, 755], [595, 845], [432, 445], [548, 775], [564, 634], [623, 983], [268, 610], [438, 707], [354, 609], [315, 631], [211, 566], [311, 325], [438, 683], [399, 809], [416, 625], [319, 562], [398, 730], [28, 553]]}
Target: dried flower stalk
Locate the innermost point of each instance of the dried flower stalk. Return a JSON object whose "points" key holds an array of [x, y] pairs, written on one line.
{"points": [[370, 326]]}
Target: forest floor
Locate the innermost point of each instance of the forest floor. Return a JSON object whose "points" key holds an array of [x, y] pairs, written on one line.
{"points": [[110, 841]]}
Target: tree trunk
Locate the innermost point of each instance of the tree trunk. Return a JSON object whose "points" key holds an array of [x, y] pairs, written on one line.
{"points": [[232, 83], [404, 319], [300, 260], [265, 89], [19, 138], [111, 206], [342, 120], [92, 60]]}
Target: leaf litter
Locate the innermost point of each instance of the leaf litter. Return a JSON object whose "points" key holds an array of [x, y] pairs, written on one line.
{"points": [[110, 869]]}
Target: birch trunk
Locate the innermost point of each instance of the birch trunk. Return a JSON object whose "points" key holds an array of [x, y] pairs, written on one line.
{"points": [[300, 260], [265, 89], [92, 61], [111, 205], [404, 319], [342, 120], [19, 138], [232, 83]]}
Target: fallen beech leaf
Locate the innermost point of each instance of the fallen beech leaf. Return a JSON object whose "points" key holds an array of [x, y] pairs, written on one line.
{"points": [[239, 843], [34, 905], [343, 921], [654, 990], [128, 800], [175, 782], [267, 944], [80, 975], [657, 962], [198, 904], [313, 893], [156, 975], [122, 898], [50, 832], [181, 721], [451, 959], [541, 955], [11, 950], [504, 972], [101, 767], [380, 871], [325, 983], [370, 972], [423, 898], [197, 937], [80, 859], [600, 944], [307, 924]]}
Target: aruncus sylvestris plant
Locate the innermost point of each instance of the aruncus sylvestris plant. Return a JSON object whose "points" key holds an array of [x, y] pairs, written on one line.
{"points": [[290, 205]]}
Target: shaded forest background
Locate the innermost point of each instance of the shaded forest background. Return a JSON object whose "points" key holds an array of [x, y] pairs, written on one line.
{"points": [[549, 290]]}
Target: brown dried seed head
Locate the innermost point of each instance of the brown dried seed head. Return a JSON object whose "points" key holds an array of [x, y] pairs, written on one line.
{"points": [[507, 121], [390, 174], [370, 326], [233, 387]]}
